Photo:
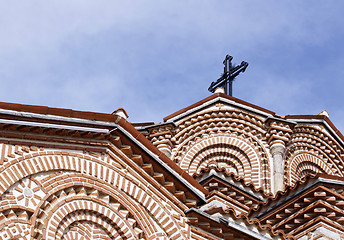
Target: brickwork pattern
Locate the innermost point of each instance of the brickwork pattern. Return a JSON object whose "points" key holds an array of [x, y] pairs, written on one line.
{"points": [[312, 150], [231, 136], [202, 138], [316, 205], [226, 150], [52, 194]]}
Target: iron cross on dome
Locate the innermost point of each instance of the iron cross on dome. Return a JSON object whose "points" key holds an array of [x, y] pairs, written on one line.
{"points": [[228, 76]]}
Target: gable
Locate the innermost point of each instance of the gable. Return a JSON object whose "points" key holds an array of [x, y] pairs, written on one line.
{"points": [[211, 101], [95, 177], [199, 175], [247, 140], [313, 207]]}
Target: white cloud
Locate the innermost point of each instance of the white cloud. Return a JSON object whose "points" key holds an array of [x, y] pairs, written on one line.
{"points": [[155, 57]]}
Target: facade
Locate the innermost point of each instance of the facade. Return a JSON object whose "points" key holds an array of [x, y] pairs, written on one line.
{"points": [[221, 168]]}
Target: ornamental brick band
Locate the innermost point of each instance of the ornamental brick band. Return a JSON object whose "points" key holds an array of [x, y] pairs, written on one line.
{"points": [[94, 174], [217, 148], [219, 169]]}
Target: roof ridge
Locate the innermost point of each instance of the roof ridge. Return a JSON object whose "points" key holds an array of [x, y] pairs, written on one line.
{"points": [[215, 96]]}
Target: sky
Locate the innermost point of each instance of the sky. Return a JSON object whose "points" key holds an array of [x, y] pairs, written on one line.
{"points": [[155, 57]]}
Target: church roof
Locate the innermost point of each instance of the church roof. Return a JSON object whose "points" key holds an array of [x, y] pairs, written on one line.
{"points": [[230, 100], [314, 201], [213, 159], [216, 97], [73, 123]]}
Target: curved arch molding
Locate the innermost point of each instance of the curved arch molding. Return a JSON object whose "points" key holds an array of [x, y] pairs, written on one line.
{"points": [[304, 163], [224, 148], [229, 124], [51, 194]]}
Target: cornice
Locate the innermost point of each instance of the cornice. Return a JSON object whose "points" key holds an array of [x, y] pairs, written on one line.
{"points": [[85, 134]]}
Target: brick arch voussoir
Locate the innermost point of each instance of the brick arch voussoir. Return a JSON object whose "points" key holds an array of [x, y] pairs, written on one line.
{"points": [[91, 217], [321, 141], [220, 149], [301, 147], [227, 129], [305, 160], [197, 166], [250, 159], [192, 134], [306, 168], [307, 157], [86, 232], [79, 210], [68, 162], [78, 180], [81, 232]]}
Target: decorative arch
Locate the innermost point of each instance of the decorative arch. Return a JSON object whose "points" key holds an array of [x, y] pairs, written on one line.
{"points": [[84, 230], [77, 210], [227, 123], [324, 155], [304, 163], [88, 188], [224, 149], [320, 140], [88, 171], [222, 160]]}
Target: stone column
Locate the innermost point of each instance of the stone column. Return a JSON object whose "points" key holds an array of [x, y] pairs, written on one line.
{"points": [[277, 151]]}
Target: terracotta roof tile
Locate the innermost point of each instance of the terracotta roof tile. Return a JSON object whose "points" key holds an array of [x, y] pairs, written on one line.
{"points": [[59, 112], [104, 117]]}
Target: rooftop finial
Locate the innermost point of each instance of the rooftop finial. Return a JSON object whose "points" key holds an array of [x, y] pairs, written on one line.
{"points": [[229, 73]]}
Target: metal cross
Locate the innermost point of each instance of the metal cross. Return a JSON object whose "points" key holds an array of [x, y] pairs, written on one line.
{"points": [[228, 76]]}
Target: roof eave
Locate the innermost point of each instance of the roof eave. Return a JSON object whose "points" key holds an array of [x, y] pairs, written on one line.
{"points": [[318, 119], [105, 123]]}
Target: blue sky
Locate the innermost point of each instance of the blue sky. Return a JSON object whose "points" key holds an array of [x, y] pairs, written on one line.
{"points": [[155, 57]]}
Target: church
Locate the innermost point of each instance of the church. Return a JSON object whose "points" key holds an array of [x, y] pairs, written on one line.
{"points": [[221, 168]]}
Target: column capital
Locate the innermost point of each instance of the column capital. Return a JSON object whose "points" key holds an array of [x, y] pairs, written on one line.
{"points": [[279, 130], [277, 148]]}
